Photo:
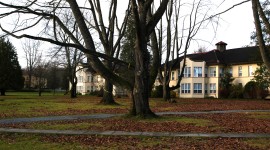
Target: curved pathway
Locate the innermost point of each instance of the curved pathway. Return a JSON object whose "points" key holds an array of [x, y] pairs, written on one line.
{"points": [[117, 133]]}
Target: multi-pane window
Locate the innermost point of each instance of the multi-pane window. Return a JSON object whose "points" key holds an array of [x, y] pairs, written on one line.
{"points": [[205, 72], [88, 88], [250, 71], [240, 71], [92, 88], [173, 75], [221, 72], [205, 88], [197, 71], [80, 79], [231, 71], [187, 72], [197, 88], [212, 71], [79, 88], [92, 78], [212, 87], [185, 88]]}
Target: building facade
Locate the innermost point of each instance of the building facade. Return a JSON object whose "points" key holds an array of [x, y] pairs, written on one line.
{"points": [[203, 71], [88, 81]]}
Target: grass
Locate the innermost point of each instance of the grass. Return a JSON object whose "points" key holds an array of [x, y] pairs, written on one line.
{"points": [[33, 105], [187, 120], [30, 104], [16, 141], [101, 124], [260, 115], [65, 126], [258, 143]]}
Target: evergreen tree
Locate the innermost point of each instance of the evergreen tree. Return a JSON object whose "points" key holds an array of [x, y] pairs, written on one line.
{"points": [[10, 69], [128, 44], [127, 53], [266, 37], [262, 77], [226, 84]]}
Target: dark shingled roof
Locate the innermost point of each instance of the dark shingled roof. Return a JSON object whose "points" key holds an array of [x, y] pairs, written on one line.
{"points": [[245, 55]]}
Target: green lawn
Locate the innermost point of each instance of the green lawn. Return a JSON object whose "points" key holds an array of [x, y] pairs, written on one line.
{"points": [[30, 104]]}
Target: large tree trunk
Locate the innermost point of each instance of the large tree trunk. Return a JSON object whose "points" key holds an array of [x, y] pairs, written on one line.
{"points": [[73, 90], [39, 91], [3, 92], [107, 98], [30, 81], [141, 85], [263, 50], [166, 92]]}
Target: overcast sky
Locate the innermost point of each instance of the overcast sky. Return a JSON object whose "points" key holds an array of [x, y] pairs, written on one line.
{"points": [[235, 27]]}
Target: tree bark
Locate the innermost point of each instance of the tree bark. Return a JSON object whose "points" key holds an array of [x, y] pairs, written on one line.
{"points": [[73, 91], [166, 92], [263, 50], [141, 85], [107, 98], [39, 91], [3, 92]]}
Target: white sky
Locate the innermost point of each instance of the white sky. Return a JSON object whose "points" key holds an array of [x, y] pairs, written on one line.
{"points": [[234, 28]]}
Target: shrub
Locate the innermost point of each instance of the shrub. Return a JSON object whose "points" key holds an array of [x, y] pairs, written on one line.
{"points": [[236, 91], [173, 94], [100, 93], [224, 93], [250, 90], [94, 93], [157, 92]]}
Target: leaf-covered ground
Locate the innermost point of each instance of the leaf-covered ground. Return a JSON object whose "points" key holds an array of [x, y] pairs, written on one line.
{"points": [[255, 122], [13, 141], [32, 106], [206, 123]]}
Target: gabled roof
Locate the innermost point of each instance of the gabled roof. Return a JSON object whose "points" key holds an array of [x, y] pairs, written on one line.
{"points": [[244, 55]]}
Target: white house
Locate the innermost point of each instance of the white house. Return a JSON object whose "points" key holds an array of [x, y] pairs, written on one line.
{"points": [[89, 81]]}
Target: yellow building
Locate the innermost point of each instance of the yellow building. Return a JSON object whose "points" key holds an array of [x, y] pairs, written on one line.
{"points": [[88, 81], [203, 70]]}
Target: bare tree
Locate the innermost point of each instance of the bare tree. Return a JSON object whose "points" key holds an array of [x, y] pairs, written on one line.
{"points": [[33, 54], [180, 42], [69, 57], [258, 15], [200, 50], [40, 74], [110, 43], [46, 12]]}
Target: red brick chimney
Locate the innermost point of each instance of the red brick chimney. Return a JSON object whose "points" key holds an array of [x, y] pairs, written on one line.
{"points": [[221, 46]]}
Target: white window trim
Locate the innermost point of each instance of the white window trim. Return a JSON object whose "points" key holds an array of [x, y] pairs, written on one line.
{"points": [[185, 88], [213, 71], [213, 88], [197, 88], [199, 73]]}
